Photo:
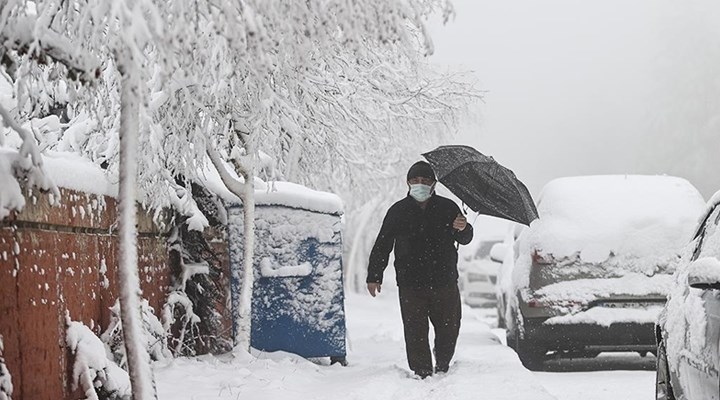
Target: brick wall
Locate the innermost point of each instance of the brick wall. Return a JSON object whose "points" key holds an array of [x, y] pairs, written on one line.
{"points": [[58, 259]]}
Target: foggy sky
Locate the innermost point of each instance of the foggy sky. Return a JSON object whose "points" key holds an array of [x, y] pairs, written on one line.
{"points": [[591, 87]]}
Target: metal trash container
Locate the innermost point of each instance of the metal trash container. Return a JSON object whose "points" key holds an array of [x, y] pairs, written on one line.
{"points": [[298, 299]]}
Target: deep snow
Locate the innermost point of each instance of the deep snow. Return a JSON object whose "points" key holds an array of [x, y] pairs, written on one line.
{"points": [[483, 367]]}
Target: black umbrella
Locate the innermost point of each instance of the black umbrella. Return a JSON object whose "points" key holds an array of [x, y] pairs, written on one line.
{"points": [[480, 182]]}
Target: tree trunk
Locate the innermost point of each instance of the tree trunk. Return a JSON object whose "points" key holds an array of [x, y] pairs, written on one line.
{"points": [[248, 279], [246, 193], [138, 360]]}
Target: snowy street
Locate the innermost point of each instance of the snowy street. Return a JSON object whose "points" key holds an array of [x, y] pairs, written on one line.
{"points": [[483, 368]]}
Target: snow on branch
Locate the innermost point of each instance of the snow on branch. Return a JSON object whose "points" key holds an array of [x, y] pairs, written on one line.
{"points": [[154, 336], [22, 168], [92, 371], [233, 184], [46, 46], [29, 146], [183, 202]]}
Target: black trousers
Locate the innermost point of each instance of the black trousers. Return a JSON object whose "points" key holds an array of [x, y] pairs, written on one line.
{"points": [[442, 307]]}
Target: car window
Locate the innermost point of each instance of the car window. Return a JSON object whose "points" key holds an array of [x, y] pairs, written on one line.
{"points": [[709, 241]]}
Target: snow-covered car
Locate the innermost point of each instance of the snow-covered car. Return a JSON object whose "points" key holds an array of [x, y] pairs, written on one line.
{"points": [[688, 330], [478, 272], [479, 283], [503, 253], [593, 272]]}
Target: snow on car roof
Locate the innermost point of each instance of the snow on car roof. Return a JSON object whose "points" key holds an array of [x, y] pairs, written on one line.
{"points": [[623, 214]]}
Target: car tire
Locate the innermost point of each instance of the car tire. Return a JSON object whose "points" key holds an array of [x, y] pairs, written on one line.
{"points": [[530, 355], [663, 387]]}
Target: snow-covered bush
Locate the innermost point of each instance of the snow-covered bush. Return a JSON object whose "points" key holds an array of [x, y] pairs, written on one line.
{"points": [[190, 315], [6, 386], [180, 319], [155, 336], [93, 372]]}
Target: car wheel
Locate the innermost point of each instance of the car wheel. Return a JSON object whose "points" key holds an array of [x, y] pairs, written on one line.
{"points": [[663, 388], [530, 355]]}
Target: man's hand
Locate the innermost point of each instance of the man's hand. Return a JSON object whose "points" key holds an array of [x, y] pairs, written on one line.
{"points": [[460, 222], [373, 288]]}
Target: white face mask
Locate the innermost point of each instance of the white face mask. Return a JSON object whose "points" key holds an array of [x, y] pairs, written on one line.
{"points": [[420, 192]]}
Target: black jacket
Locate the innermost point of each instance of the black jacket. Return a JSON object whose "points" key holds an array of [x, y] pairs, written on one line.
{"points": [[424, 242]]}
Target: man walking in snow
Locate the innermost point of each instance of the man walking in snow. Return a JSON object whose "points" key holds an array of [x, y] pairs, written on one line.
{"points": [[423, 228]]}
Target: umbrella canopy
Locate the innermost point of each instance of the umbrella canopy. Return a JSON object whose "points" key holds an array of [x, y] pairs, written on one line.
{"points": [[480, 182]]}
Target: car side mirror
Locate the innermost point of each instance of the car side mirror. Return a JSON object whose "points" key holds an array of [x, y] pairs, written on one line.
{"points": [[497, 252], [704, 273]]}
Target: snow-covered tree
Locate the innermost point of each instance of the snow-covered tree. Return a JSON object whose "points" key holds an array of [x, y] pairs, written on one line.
{"points": [[73, 34], [322, 87]]}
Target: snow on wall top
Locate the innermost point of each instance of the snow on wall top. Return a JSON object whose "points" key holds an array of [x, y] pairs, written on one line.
{"points": [[71, 171], [631, 214], [67, 170], [276, 193]]}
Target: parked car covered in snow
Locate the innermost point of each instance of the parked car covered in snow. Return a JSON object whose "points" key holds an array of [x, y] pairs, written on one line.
{"points": [[479, 280], [688, 330], [503, 253], [593, 273], [477, 267]]}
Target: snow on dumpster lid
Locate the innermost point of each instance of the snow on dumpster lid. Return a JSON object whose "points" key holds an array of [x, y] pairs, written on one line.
{"points": [[624, 214], [298, 196], [276, 193]]}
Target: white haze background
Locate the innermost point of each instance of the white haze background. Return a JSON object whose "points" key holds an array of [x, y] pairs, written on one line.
{"points": [[592, 87]]}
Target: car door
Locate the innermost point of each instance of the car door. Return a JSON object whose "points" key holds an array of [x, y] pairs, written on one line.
{"points": [[699, 359]]}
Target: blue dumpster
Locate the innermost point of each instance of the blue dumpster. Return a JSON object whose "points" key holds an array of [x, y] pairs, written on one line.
{"points": [[298, 300]]}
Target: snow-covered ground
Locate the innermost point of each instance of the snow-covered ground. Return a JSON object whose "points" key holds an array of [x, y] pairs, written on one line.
{"points": [[624, 376], [483, 368]]}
